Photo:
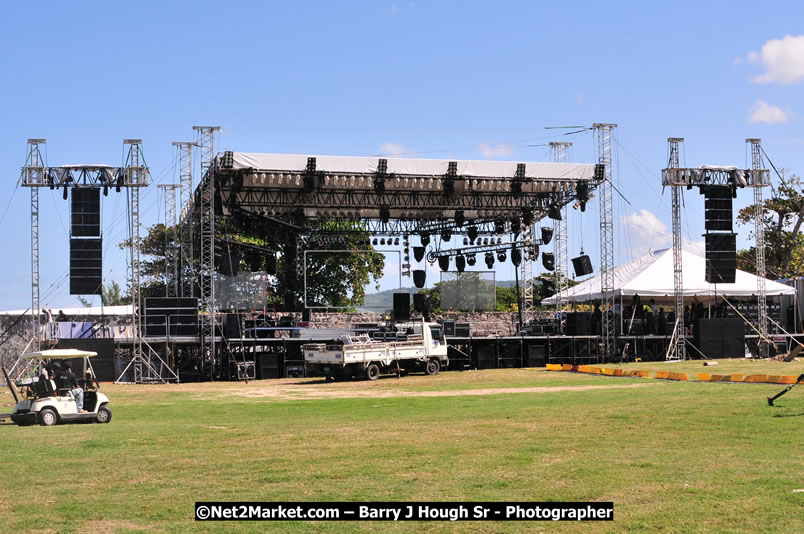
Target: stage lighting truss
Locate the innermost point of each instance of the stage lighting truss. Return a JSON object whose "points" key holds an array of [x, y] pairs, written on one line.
{"points": [[85, 176]]}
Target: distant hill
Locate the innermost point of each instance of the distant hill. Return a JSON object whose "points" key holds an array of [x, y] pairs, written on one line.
{"points": [[384, 300]]}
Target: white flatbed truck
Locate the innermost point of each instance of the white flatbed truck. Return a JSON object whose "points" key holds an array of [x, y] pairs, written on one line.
{"points": [[358, 356]]}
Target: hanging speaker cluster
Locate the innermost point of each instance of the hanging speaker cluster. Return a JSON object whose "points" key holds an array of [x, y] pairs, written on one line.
{"points": [[582, 265], [721, 242]]}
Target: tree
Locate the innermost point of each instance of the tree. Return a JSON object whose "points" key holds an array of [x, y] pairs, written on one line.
{"points": [[782, 218], [110, 295], [156, 248]]}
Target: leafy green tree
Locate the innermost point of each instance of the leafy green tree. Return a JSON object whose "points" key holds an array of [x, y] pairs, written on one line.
{"points": [[783, 217], [111, 295], [158, 245]]}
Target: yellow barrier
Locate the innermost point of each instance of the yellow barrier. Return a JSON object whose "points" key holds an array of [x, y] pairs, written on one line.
{"points": [[756, 378], [667, 375], [704, 377]]}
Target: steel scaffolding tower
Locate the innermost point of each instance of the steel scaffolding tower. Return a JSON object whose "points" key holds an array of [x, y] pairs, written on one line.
{"points": [[604, 139], [206, 141], [678, 351], [560, 150], [185, 150], [136, 175], [172, 265], [759, 246], [34, 173]]}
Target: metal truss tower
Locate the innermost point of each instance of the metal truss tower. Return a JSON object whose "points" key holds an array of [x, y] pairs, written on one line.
{"points": [[205, 136], [172, 265], [34, 173], [678, 350], [604, 140], [759, 246], [560, 249], [185, 150], [136, 175]]}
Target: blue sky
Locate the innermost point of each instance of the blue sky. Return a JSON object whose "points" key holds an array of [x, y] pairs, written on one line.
{"points": [[434, 79]]}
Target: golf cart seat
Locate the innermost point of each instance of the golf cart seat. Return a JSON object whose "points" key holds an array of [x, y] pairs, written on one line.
{"points": [[45, 388]]}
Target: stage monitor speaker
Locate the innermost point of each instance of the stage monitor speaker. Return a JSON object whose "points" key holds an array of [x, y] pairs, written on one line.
{"points": [[228, 264], [419, 302], [721, 258], [85, 213], [86, 266], [582, 265], [401, 306], [231, 326]]}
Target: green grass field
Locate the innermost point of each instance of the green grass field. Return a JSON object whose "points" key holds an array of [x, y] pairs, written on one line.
{"points": [[672, 456]]}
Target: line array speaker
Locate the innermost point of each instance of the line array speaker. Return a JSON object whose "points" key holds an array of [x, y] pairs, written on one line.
{"points": [[718, 204], [721, 258], [582, 265], [85, 213], [86, 266]]}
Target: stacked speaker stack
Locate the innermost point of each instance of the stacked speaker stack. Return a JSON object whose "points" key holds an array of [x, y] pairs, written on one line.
{"points": [[86, 244], [721, 241]]}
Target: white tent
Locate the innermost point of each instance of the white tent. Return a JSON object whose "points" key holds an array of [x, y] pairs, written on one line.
{"points": [[651, 276]]}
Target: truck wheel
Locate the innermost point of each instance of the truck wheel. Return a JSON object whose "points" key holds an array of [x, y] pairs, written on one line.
{"points": [[433, 367], [104, 415], [47, 417], [372, 371]]}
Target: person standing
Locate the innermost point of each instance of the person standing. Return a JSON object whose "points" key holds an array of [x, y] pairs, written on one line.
{"points": [[72, 383]]}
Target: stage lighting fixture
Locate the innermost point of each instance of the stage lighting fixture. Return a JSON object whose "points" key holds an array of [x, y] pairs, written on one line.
{"points": [[501, 256], [379, 185], [472, 233], [459, 218], [582, 190], [499, 227], [375, 242], [527, 217], [516, 257], [446, 235], [547, 235], [499, 240], [555, 212], [106, 190], [425, 239], [583, 206], [489, 260], [460, 263], [396, 241], [382, 241], [419, 277], [465, 241], [515, 224], [385, 214], [117, 183], [516, 189], [485, 241], [443, 262], [418, 253], [449, 187], [471, 260], [64, 195]]}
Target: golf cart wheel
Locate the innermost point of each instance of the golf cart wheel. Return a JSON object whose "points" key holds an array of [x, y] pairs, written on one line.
{"points": [[372, 371], [48, 417], [433, 367], [104, 415]]}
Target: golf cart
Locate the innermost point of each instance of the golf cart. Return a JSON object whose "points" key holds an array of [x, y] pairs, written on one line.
{"points": [[44, 403]]}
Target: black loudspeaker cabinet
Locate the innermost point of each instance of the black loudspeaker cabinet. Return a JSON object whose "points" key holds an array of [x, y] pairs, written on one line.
{"points": [[448, 326], [86, 266], [85, 212], [536, 356], [103, 363], [721, 258], [228, 264], [462, 329], [231, 326], [486, 358], [720, 338], [401, 306], [582, 265], [268, 366], [419, 302]]}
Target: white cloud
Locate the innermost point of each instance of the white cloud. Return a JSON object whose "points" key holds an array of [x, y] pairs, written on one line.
{"points": [[761, 111], [647, 232], [495, 151], [396, 9], [394, 149], [783, 59]]}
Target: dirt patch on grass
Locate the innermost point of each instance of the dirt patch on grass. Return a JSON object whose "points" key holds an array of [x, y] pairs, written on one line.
{"points": [[104, 526]]}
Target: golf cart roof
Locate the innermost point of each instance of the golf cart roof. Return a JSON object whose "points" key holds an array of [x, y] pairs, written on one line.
{"points": [[59, 354]]}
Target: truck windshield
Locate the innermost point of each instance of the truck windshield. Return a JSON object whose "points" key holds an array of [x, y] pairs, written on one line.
{"points": [[437, 334]]}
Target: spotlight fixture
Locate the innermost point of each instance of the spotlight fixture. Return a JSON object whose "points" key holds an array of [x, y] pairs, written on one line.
{"points": [[472, 233], [499, 240], [460, 263], [516, 257], [459, 218], [418, 253], [443, 262], [106, 190], [549, 261], [527, 217], [499, 227], [471, 260], [385, 214], [515, 224], [489, 260], [382, 241], [64, 195], [118, 183], [396, 241], [582, 190], [446, 235], [425, 238], [547, 235], [375, 242], [465, 241], [501, 256], [485, 241], [555, 212]]}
